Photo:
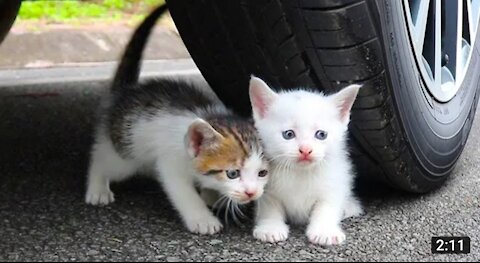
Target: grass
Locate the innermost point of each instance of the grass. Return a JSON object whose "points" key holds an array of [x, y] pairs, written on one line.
{"points": [[64, 11]]}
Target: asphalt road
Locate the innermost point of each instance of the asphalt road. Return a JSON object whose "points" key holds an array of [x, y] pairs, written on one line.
{"points": [[45, 135]]}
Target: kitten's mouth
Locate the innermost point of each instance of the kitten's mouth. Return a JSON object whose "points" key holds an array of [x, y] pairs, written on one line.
{"points": [[247, 200], [305, 160], [244, 202], [244, 199]]}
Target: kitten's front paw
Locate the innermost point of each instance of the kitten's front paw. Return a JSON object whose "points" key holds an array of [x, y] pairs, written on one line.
{"points": [[325, 235], [208, 225], [103, 197], [272, 233]]}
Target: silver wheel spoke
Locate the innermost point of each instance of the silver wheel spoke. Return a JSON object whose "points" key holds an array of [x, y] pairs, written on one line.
{"points": [[475, 9], [458, 40], [437, 68], [420, 17], [442, 33]]}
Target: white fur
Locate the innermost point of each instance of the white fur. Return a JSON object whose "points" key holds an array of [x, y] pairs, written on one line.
{"points": [[319, 193], [159, 143]]}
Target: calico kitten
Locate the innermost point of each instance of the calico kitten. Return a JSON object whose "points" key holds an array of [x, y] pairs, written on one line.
{"points": [[304, 136], [186, 136]]}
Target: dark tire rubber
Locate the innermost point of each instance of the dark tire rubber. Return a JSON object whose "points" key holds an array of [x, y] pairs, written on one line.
{"points": [[399, 132]]}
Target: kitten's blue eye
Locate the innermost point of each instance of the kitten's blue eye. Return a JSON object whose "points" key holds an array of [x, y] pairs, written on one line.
{"points": [[262, 173], [233, 174], [321, 135], [288, 134]]}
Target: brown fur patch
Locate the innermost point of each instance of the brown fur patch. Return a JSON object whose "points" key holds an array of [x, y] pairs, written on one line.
{"points": [[236, 134]]}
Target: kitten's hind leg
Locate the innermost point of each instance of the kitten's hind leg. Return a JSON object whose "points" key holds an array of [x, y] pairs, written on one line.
{"points": [[106, 166], [352, 208]]}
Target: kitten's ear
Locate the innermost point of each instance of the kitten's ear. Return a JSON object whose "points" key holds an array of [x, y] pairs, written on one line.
{"points": [[261, 97], [201, 135], [344, 100]]}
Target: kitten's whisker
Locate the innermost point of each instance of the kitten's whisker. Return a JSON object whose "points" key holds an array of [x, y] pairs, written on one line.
{"points": [[285, 165], [234, 215], [240, 212], [214, 206], [226, 211], [281, 156], [289, 164], [237, 210], [219, 204]]}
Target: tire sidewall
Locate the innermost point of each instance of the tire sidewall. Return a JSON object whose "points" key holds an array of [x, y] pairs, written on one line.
{"points": [[436, 132]]}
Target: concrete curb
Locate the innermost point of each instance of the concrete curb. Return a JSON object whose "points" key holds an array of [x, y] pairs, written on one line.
{"points": [[51, 47], [78, 72]]}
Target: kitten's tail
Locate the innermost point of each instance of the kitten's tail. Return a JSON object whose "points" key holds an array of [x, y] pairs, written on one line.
{"points": [[128, 70]]}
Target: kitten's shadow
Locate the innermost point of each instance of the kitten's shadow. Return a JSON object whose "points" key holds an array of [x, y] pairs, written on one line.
{"points": [[46, 143], [144, 186]]}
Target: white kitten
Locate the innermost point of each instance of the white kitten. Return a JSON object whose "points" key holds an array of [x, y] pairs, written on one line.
{"points": [[304, 136]]}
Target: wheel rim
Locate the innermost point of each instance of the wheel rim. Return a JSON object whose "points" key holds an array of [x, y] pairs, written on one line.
{"points": [[442, 34]]}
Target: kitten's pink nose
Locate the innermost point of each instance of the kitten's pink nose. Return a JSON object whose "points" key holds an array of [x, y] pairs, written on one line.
{"points": [[250, 193], [305, 150]]}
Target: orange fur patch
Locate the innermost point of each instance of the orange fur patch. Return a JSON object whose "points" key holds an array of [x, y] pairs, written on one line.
{"points": [[221, 176], [229, 153]]}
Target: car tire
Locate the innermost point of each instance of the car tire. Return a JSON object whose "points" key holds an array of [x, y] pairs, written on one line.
{"points": [[400, 132]]}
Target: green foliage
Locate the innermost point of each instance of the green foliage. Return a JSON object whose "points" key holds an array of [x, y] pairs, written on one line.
{"points": [[115, 4], [65, 10]]}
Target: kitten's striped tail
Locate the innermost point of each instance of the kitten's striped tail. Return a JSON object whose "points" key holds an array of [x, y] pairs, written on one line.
{"points": [[128, 70]]}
